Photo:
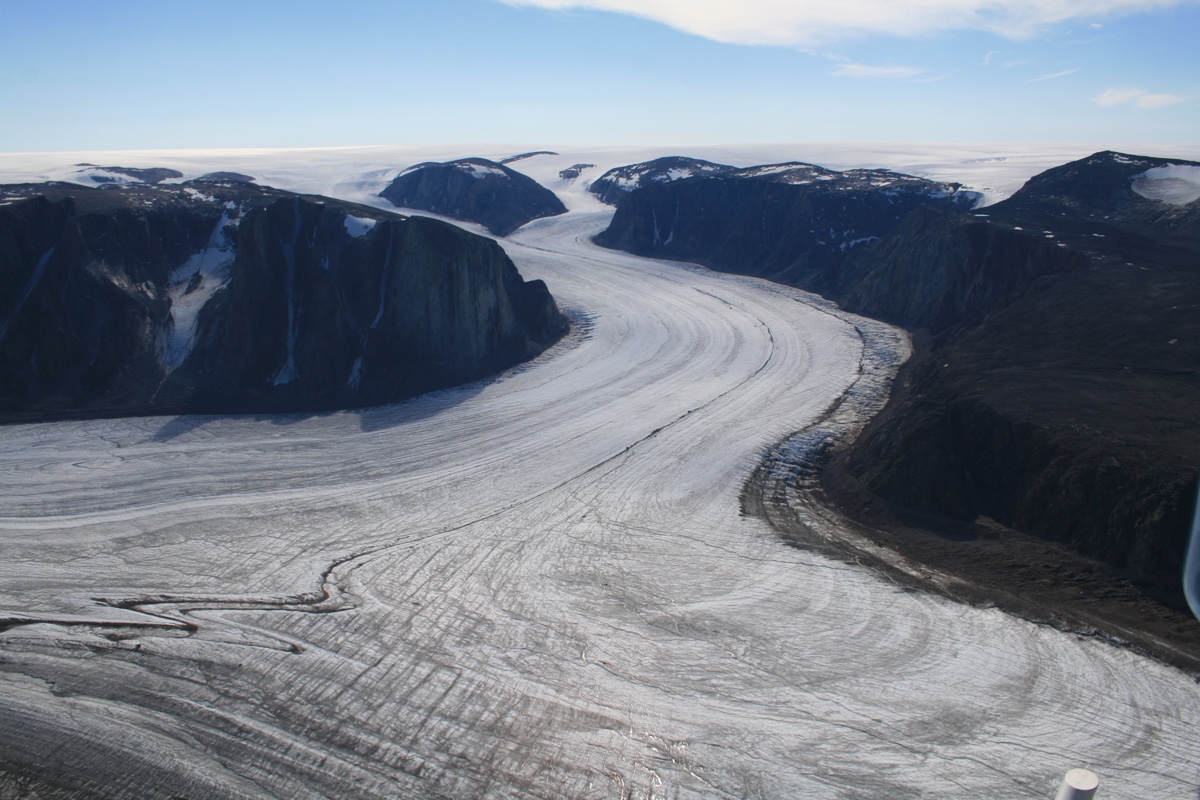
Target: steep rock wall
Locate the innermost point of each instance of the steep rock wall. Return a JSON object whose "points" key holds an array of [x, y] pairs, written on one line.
{"points": [[312, 315], [791, 233], [292, 303], [1069, 413], [83, 299], [941, 270]]}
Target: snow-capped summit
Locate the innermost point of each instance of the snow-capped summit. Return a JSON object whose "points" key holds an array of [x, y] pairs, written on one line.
{"points": [[616, 183]]}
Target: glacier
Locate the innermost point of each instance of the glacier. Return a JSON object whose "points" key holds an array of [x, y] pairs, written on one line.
{"points": [[539, 585]]}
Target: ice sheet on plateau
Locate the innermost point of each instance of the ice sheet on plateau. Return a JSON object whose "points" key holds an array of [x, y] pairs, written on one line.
{"points": [[539, 586], [1177, 184]]}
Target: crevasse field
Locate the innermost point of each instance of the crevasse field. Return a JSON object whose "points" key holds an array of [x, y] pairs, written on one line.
{"points": [[539, 585]]}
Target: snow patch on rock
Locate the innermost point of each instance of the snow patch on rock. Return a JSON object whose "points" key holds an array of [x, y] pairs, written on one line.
{"points": [[358, 226], [480, 170], [192, 285], [196, 195]]}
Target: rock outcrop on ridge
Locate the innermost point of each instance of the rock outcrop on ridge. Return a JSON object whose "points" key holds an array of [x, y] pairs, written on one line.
{"points": [[475, 190], [111, 175], [574, 171], [229, 297], [620, 181]]}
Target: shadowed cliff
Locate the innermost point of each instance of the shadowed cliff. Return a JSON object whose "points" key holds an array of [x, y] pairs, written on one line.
{"points": [[1068, 405], [228, 297]]}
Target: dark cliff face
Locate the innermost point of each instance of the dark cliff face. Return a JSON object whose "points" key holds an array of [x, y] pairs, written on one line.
{"points": [[942, 270], [412, 305], [83, 296], [613, 185], [228, 297], [1070, 409], [475, 190], [789, 222]]}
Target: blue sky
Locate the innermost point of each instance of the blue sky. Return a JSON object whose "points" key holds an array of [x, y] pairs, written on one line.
{"points": [[147, 74]]}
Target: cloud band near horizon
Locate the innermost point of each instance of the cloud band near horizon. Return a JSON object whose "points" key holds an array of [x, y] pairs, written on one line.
{"points": [[1147, 101], [788, 23]]}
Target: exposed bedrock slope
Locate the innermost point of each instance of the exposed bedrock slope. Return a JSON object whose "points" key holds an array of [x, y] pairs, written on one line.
{"points": [[787, 222], [942, 270], [167, 299]]}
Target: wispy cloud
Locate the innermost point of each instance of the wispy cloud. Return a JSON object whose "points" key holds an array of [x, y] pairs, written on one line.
{"points": [[1153, 101], [1053, 75], [1114, 97], [868, 71], [785, 22], [989, 56], [1138, 97]]}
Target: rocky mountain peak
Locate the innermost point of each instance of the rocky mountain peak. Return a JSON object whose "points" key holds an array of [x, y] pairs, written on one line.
{"points": [[474, 190], [1109, 181], [620, 181]]}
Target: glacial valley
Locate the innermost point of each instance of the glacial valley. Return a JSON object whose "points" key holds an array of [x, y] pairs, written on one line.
{"points": [[538, 585]]}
